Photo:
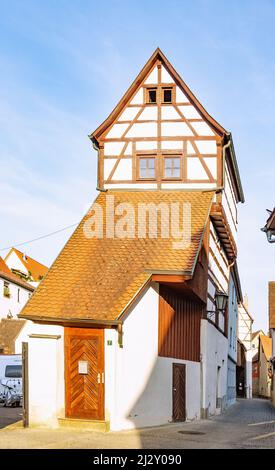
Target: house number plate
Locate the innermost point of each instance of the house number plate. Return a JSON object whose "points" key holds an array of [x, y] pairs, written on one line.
{"points": [[82, 367]]}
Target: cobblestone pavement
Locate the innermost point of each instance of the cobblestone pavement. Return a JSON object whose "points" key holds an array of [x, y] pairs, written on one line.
{"points": [[247, 424]]}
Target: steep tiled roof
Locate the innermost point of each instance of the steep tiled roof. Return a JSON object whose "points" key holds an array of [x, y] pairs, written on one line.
{"points": [[267, 346], [36, 269], [5, 273], [96, 278], [9, 330]]}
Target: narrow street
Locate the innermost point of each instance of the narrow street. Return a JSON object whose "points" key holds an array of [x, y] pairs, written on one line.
{"points": [[247, 424]]}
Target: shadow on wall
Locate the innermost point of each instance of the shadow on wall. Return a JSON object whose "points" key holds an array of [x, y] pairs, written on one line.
{"points": [[161, 360]]}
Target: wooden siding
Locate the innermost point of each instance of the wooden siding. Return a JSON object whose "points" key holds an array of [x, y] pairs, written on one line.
{"points": [[179, 325]]}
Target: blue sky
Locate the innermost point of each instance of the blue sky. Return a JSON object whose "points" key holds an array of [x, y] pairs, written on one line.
{"points": [[65, 64]]}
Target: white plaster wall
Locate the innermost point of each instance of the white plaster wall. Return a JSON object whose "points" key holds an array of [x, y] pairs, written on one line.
{"points": [[149, 113], [231, 382], [175, 129], [188, 185], [113, 148], [138, 382], [147, 145], [195, 170], [123, 170], [248, 374], [214, 350], [165, 76], [143, 129], [202, 128], [152, 77], [117, 131], [11, 304], [207, 147], [129, 113], [180, 96], [46, 373], [169, 112], [131, 185]]}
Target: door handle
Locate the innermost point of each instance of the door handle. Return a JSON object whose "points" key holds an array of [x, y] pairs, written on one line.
{"points": [[174, 389], [98, 378]]}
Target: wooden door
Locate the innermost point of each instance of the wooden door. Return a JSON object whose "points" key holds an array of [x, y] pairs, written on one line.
{"points": [[84, 373], [179, 393]]}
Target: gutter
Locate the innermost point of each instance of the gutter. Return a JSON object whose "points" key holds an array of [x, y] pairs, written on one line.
{"points": [[58, 320], [235, 165]]}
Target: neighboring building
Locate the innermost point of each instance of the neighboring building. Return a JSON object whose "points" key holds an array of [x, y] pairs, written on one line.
{"points": [[255, 345], [271, 309], [245, 351], [126, 314], [269, 229], [14, 292], [235, 297], [265, 370], [25, 267]]}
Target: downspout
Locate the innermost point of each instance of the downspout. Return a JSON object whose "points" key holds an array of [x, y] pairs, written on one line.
{"points": [[96, 148]]}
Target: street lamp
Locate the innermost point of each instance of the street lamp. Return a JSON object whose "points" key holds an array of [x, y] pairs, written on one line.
{"points": [[221, 300], [269, 228]]}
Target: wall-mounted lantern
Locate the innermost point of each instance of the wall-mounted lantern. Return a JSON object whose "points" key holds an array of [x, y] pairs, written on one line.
{"points": [[221, 300]]}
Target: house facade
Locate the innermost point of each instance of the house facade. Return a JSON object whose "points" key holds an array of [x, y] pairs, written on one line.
{"points": [[244, 367], [265, 368], [14, 292], [234, 298], [271, 308], [130, 326], [25, 267]]}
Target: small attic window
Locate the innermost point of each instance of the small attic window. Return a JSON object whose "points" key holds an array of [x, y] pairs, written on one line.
{"points": [[167, 95], [151, 95]]}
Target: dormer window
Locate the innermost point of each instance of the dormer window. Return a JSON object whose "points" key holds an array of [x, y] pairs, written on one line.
{"points": [[151, 95]]}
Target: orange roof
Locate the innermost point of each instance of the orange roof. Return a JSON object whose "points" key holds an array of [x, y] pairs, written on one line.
{"points": [[34, 267], [3, 267], [96, 278], [6, 273], [267, 346]]}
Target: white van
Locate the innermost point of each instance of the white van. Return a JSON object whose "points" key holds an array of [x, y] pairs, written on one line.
{"points": [[10, 368]]}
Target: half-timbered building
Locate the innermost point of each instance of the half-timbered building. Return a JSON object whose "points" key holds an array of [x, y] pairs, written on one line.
{"points": [[125, 325]]}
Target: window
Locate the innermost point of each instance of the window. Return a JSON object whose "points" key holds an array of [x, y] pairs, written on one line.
{"points": [[6, 291], [167, 95], [147, 168], [172, 167], [14, 372], [151, 96]]}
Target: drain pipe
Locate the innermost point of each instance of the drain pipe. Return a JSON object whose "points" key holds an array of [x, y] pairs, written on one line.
{"points": [[96, 148]]}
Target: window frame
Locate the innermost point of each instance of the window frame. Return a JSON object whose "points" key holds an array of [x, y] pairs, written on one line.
{"points": [[168, 87], [172, 178], [146, 157], [146, 95]]}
